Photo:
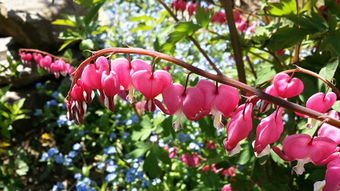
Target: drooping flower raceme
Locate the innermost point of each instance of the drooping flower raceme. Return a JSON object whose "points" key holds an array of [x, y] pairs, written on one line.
{"points": [[238, 128]]}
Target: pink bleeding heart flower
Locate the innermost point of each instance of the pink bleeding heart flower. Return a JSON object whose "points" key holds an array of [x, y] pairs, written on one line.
{"points": [[237, 16], [219, 17], [305, 149], [57, 67], [333, 175], [221, 100], [172, 152], [191, 8], [267, 132], [69, 69], [242, 26], [77, 105], [92, 73], [330, 131], [191, 161], [238, 128], [226, 187], [37, 57], [319, 102], [287, 86], [45, 62], [253, 27], [179, 5], [125, 69], [180, 102], [111, 87], [26, 57], [151, 84], [263, 105]]}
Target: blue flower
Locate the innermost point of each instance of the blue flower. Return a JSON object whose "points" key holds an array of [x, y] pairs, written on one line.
{"points": [[52, 151], [129, 178], [153, 138], [72, 154], [38, 85], [44, 156], [100, 165], [140, 175], [195, 146], [125, 135], [110, 162], [111, 168], [58, 186], [59, 159], [51, 103], [77, 176], [55, 95], [182, 137], [156, 181], [145, 183], [113, 135], [62, 120], [134, 118], [77, 146], [110, 150], [68, 161], [37, 112], [110, 177]]}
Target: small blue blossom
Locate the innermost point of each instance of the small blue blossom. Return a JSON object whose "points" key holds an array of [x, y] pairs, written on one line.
{"points": [[55, 94], [62, 120], [111, 168], [110, 162], [145, 183], [37, 112], [156, 181], [100, 165], [134, 189], [76, 146], [129, 178], [110, 150], [153, 138], [52, 151], [195, 146], [38, 85], [113, 135], [182, 137], [51, 103], [68, 161], [58, 186], [110, 177], [77, 176], [59, 159], [134, 118], [72, 154], [44, 156], [140, 175], [125, 135]]}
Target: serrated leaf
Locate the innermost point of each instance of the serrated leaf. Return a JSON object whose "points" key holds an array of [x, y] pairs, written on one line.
{"points": [[140, 150], [285, 37], [285, 7], [202, 16], [151, 166]]}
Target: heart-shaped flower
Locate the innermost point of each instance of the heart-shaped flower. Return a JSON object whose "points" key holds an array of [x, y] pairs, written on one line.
{"points": [[305, 149], [111, 87], [45, 62], [330, 131], [219, 100], [92, 73], [238, 128], [287, 86], [151, 84], [267, 132]]}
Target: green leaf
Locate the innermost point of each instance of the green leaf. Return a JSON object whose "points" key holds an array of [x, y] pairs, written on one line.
{"points": [[92, 13], [144, 18], [285, 38], [285, 7], [310, 24], [336, 106], [66, 43], [202, 16], [142, 148], [329, 70], [64, 22], [142, 27], [167, 127], [151, 166], [332, 41], [247, 154], [86, 44], [144, 132], [207, 126]]}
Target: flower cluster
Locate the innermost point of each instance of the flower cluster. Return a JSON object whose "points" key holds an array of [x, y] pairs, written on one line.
{"points": [[56, 66], [218, 17]]}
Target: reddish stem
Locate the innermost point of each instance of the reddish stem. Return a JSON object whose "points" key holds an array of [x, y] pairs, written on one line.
{"points": [[222, 79], [45, 53]]}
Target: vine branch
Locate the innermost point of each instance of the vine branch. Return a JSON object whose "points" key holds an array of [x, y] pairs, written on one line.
{"points": [[218, 78]]}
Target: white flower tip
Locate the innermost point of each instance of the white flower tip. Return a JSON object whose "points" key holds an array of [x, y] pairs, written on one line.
{"points": [[264, 152], [310, 123], [236, 150], [318, 185]]}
